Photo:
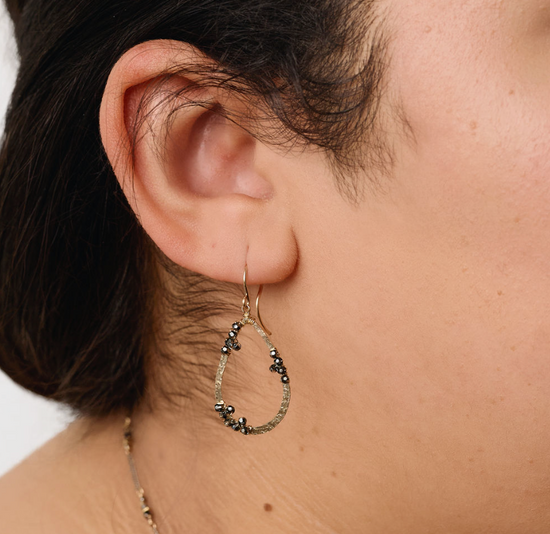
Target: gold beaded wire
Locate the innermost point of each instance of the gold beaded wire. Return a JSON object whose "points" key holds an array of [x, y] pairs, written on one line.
{"points": [[226, 411], [127, 443]]}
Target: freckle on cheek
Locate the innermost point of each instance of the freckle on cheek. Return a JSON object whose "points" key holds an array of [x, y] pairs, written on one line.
{"points": [[268, 507]]}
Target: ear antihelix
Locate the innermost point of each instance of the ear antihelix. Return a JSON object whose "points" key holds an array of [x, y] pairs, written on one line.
{"points": [[232, 344]]}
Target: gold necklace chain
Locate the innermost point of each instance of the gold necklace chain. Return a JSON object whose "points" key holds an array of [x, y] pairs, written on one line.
{"points": [[127, 443]]}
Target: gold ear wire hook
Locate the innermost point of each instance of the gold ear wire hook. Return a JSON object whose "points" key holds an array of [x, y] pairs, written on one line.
{"points": [[258, 311], [246, 301]]}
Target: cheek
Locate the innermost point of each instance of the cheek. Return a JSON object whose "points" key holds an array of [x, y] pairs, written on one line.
{"points": [[474, 189], [480, 161]]}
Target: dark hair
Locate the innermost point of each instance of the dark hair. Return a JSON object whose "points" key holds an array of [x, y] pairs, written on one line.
{"points": [[79, 278]]}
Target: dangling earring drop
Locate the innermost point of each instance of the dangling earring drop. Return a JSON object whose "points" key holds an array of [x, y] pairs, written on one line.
{"points": [[232, 344]]}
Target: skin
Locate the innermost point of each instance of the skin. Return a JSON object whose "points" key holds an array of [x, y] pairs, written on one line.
{"points": [[414, 325]]}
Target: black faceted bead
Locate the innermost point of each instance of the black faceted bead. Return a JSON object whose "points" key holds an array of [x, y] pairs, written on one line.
{"points": [[236, 427], [236, 346], [218, 407], [281, 370], [226, 350], [236, 326], [285, 379], [273, 368], [278, 361], [228, 422], [229, 343], [245, 431], [232, 334], [242, 421], [230, 409], [273, 353]]}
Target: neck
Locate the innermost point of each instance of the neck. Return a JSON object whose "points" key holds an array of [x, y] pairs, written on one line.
{"points": [[201, 476]]}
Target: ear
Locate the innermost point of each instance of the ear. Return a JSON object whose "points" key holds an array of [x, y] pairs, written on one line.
{"points": [[202, 187]]}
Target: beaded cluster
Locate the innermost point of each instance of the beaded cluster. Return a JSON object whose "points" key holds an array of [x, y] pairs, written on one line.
{"points": [[226, 413], [232, 343], [278, 366]]}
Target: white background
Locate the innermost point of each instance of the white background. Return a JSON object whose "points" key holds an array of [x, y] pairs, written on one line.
{"points": [[26, 420]]}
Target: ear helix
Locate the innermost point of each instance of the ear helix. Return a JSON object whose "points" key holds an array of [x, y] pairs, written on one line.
{"points": [[232, 345]]}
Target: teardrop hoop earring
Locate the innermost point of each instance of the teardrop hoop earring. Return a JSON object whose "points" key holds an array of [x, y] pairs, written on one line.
{"points": [[232, 344]]}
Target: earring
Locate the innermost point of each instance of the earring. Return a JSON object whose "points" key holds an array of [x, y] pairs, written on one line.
{"points": [[232, 344]]}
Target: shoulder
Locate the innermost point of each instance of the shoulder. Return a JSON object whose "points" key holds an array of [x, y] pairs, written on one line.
{"points": [[20, 494], [20, 500], [26, 491], [46, 493]]}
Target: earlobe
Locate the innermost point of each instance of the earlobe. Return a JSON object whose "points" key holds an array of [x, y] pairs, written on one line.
{"points": [[193, 175]]}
